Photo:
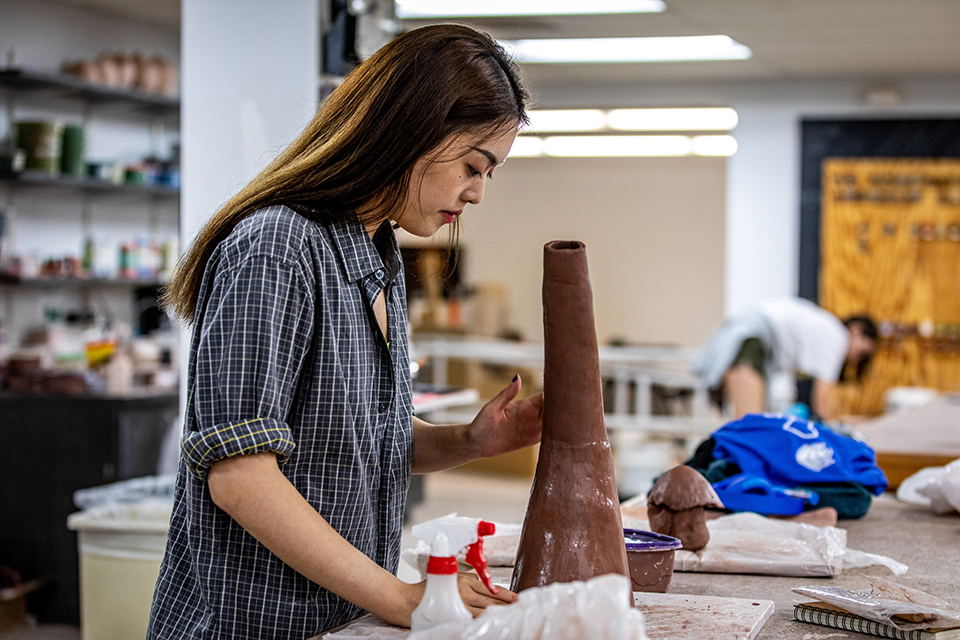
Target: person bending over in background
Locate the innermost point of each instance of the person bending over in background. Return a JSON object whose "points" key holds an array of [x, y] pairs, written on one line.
{"points": [[298, 437], [790, 335]]}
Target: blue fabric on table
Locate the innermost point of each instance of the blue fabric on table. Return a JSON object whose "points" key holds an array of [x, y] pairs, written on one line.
{"points": [[790, 451]]}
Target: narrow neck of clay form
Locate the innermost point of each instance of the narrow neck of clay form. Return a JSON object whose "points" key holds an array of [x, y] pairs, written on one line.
{"points": [[573, 399]]}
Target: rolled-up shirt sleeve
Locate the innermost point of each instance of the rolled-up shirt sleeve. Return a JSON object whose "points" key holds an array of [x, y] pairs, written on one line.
{"points": [[255, 335]]}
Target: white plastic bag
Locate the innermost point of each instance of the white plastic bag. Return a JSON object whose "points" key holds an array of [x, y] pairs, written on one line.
{"points": [[936, 487], [599, 609]]}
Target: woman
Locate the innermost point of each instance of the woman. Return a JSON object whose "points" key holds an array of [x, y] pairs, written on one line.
{"points": [[299, 439]]}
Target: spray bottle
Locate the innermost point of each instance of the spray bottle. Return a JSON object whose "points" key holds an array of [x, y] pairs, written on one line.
{"points": [[447, 536]]}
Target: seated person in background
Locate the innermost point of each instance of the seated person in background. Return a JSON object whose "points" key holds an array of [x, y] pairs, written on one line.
{"points": [[786, 334]]}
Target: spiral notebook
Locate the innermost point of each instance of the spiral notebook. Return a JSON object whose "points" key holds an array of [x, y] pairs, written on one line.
{"points": [[830, 616]]}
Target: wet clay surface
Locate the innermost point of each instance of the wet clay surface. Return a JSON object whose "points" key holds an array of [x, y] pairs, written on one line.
{"points": [[675, 506], [572, 529]]}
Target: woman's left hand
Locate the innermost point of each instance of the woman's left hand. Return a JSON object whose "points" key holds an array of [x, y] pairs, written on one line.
{"points": [[503, 425]]}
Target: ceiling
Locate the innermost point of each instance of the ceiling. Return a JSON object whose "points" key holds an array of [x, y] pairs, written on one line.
{"points": [[791, 39]]}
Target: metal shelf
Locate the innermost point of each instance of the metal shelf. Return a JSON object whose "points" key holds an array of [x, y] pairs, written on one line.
{"points": [[92, 93], [52, 282], [87, 184], [62, 85]]}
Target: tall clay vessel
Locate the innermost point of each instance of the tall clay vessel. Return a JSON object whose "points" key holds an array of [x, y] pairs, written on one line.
{"points": [[572, 529]]}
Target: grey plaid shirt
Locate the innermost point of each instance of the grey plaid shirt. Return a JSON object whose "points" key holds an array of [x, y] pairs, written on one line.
{"points": [[287, 357]]}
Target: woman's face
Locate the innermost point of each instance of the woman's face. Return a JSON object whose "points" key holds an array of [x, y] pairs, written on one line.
{"points": [[442, 185]]}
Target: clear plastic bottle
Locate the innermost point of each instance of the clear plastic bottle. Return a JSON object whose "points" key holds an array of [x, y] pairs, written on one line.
{"points": [[441, 600]]}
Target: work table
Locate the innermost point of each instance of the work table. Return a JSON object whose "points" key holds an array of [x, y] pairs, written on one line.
{"points": [[927, 543]]}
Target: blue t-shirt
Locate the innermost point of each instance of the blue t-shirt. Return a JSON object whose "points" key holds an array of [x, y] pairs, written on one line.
{"points": [[790, 451]]}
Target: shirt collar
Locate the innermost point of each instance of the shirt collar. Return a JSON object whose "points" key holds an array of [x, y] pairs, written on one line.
{"points": [[359, 253]]}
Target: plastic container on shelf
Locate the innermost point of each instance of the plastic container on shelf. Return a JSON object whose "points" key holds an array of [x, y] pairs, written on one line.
{"points": [[121, 546], [42, 142], [650, 558]]}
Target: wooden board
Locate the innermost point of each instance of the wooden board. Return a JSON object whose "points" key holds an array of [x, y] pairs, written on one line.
{"points": [[683, 617]]}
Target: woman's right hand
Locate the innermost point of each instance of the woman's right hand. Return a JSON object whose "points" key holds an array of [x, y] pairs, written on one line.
{"points": [[474, 594], [477, 597]]}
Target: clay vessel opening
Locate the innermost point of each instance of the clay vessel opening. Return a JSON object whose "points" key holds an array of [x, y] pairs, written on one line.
{"points": [[565, 245]]}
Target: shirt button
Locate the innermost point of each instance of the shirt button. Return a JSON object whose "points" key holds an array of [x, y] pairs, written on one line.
{"points": [[379, 273], [382, 407]]}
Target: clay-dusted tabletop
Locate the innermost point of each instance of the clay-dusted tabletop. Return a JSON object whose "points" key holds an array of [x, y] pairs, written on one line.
{"points": [[928, 544]]}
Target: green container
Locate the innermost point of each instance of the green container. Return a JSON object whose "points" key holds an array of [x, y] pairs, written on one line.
{"points": [[72, 151], [41, 141]]}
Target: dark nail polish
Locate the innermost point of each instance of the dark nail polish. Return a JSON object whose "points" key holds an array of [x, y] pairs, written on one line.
{"points": [[515, 378]]}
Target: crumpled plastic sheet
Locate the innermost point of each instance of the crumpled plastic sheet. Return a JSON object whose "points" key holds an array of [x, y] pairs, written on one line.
{"points": [[934, 487], [598, 609], [739, 543], [750, 543], [889, 603]]}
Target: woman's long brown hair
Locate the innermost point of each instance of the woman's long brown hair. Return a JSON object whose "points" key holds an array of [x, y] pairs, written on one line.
{"points": [[356, 155]]}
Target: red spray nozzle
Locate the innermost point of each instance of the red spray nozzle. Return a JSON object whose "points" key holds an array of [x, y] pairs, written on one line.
{"points": [[477, 559]]}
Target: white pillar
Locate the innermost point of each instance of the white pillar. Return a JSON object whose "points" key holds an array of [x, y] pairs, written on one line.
{"points": [[250, 72], [763, 207]]}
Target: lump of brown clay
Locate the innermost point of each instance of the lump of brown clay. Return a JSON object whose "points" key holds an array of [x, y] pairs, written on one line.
{"points": [[675, 506]]}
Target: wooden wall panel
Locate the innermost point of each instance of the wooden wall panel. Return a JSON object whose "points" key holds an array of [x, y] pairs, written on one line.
{"points": [[890, 247]]}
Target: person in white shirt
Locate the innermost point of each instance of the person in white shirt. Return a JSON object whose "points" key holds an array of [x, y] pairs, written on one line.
{"points": [[785, 334]]}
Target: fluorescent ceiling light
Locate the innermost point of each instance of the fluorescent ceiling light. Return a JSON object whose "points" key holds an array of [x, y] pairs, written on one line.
{"points": [[723, 146], [711, 119], [616, 146], [607, 50], [566, 120], [681, 119], [526, 147], [489, 8], [600, 146]]}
